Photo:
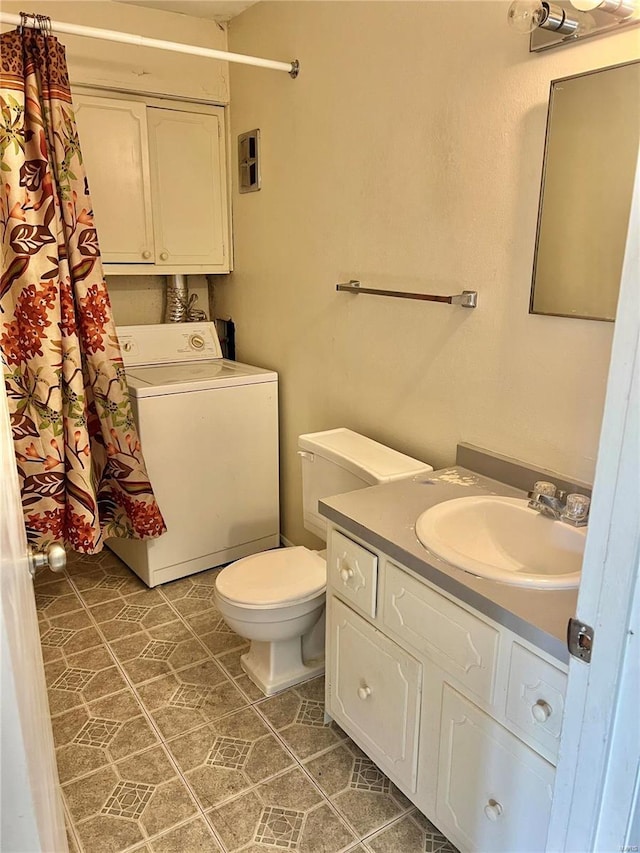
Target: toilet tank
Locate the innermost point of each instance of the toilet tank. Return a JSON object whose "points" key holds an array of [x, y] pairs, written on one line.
{"points": [[338, 461]]}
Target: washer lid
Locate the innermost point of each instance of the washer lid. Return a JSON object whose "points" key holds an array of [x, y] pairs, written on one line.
{"points": [[273, 577], [148, 381], [170, 374]]}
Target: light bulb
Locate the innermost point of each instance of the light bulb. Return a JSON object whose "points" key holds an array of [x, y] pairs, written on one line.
{"points": [[525, 15]]}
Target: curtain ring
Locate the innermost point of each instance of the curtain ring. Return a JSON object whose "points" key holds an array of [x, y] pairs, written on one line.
{"points": [[31, 20], [44, 24]]}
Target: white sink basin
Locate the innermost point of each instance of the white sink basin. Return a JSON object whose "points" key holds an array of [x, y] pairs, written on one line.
{"points": [[503, 540]]}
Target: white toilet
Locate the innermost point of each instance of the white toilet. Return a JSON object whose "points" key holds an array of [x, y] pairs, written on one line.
{"points": [[276, 598]]}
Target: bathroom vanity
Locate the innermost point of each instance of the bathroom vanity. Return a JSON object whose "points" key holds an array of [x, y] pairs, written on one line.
{"points": [[453, 685]]}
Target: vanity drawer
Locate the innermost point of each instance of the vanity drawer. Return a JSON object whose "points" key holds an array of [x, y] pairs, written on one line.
{"points": [[352, 572], [456, 640], [494, 793], [535, 700], [375, 693]]}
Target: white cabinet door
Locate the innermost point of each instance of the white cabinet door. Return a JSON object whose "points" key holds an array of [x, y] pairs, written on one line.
{"points": [[32, 817], [113, 141], [494, 793], [375, 693], [188, 187]]}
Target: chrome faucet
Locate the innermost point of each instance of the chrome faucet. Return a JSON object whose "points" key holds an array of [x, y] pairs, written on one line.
{"points": [[555, 503], [546, 504]]}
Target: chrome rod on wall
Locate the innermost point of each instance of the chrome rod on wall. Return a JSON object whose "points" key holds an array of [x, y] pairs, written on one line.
{"points": [[468, 298], [292, 68]]}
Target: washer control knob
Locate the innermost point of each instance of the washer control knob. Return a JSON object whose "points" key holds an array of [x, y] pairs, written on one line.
{"points": [[196, 342]]}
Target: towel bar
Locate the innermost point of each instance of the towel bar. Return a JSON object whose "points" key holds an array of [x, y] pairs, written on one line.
{"points": [[468, 298]]}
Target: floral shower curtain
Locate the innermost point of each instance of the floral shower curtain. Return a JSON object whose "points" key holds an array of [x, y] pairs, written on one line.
{"points": [[81, 469]]}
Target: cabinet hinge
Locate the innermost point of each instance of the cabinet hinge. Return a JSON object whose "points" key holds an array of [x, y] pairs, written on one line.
{"points": [[580, 640]]}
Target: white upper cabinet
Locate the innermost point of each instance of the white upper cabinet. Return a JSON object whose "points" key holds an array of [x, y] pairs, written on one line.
{"points": [[157, 175], [115, 150], [187, 178]]}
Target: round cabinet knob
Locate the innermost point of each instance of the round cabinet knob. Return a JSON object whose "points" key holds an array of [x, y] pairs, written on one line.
{"points": [[346, 574], [541, 711], [493, 810], [164, 256], [54, 558], [364, 692], [146, 254]]}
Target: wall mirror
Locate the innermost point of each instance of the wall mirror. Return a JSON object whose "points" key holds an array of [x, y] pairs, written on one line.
{"points": [[591, 154]]}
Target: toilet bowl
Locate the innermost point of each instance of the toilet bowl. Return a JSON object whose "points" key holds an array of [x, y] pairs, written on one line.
{"points": [[276, 598]]}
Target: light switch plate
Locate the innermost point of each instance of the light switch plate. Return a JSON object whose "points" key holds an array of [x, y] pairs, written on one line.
{"points": [[249, 178]]}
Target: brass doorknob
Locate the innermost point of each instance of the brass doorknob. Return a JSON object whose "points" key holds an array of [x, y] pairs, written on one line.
{"points": [[54, 557]]}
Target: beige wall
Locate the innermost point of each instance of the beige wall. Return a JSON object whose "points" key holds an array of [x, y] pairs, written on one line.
{"points": [[407, 155], [140, 299]]}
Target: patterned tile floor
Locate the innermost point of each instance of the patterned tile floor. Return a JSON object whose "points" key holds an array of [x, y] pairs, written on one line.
{"points": [[165, 746]]}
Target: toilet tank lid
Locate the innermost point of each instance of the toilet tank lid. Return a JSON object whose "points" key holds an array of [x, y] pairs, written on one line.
{"points": [[363, 456]]}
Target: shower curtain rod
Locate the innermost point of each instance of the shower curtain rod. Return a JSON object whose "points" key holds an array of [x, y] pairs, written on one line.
{"points": [[292, 68]]}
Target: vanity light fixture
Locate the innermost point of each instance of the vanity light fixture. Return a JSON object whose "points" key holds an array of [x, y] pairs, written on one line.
{"points": [[550, 24]]}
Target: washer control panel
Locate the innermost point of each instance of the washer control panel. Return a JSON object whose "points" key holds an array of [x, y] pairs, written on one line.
{"points": [[168, 343]]}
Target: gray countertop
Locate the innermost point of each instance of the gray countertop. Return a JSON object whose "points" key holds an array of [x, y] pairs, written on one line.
{"points": [[385, 516]]}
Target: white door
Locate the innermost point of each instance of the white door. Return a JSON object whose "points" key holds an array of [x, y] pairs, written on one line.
{"points": [[596, 799], [32, 816]]}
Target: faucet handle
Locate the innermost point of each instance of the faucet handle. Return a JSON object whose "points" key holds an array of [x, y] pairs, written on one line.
{"points": [[576, 510], [542, 487]]}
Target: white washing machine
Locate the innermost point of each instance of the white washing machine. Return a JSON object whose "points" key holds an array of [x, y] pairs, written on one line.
{"points": [[209, 433]]}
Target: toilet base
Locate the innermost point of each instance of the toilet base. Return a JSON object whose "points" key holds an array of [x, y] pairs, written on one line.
{"points": [[277, 665]]}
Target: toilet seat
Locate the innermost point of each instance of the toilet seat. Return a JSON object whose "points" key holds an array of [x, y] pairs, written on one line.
{"points": [[271, 579]]}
